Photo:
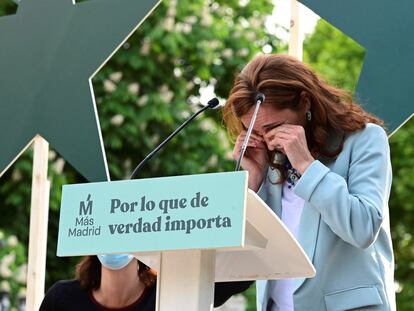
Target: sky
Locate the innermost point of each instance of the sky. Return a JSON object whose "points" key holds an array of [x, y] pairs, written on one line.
{"points": [[281, 16]]}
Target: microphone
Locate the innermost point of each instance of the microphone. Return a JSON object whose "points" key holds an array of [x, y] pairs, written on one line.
{"points": [[212, 103], [259, 100]]}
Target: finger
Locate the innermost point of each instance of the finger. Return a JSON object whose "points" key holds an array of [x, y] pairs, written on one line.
{"points": [[291, 126], [269, 139], [275, 131], [257, 137], [262, 146], [284, 136], [293, 129], [241, 134], [284, 131], [251, 144], [238, 148], [274, 136], [280, 132], [258, 145], [252, 135], [271, 134], [277, 143], [271, 144], [241, 139]]}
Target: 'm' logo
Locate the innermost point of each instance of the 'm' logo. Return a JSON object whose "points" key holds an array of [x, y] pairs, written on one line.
{"points": [[86, 208]]}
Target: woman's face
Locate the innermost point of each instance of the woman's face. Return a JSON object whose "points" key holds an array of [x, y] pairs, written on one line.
{"points": [[269, 118]]}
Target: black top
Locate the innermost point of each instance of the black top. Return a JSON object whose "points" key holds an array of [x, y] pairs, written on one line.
{"points": [[68, 295]]}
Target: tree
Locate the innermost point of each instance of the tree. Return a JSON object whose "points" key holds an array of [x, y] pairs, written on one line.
{"points": [[334, 55], [339, 59]]}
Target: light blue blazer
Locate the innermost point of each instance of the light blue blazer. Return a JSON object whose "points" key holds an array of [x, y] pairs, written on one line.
{"points": [[344, 227]]}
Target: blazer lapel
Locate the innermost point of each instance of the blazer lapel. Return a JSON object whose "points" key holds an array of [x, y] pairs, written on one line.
{"points": [[311, 218], [308, 235], [309, 223], [275, 193], [262, 294]]}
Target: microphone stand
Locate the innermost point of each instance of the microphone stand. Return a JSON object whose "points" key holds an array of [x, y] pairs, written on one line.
{"points": [[259, 100]]}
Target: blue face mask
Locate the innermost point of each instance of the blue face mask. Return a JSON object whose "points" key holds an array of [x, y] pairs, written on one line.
{"points": [[115, 261]]}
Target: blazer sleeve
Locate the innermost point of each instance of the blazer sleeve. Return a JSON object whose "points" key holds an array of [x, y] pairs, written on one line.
{"points": [[353, 209]]}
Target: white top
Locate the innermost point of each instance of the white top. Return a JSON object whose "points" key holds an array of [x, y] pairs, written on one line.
{"points": [[281, 291]]}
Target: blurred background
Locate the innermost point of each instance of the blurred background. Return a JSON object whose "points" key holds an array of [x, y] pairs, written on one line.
{"points": [[186, 52]]}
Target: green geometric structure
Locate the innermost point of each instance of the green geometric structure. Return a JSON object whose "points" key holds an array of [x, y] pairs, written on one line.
{"points": [[50, 50], [384, 28]]}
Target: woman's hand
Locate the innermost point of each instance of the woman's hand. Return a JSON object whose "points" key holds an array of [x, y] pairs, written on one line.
{"points": [[254, 160], [291, 140]]}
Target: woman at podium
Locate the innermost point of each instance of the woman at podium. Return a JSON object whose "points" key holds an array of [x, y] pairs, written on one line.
{"points": [[322, 164]]}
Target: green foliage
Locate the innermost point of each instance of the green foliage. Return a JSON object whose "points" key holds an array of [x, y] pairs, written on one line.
{"points": [[334, 55], [13, 268], [402, 213], [339, 59], [250, 295], [7, 7]]}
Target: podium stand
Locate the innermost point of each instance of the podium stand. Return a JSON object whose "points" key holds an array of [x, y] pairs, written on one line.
{"points": [[194, 230]]}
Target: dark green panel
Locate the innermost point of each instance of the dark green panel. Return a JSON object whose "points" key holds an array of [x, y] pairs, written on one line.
{"points": [[48, 52], [384, 28]]}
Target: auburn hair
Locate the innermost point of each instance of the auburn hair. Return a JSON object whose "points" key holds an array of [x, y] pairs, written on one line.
{"points": [[284, 80], [88, 272]]}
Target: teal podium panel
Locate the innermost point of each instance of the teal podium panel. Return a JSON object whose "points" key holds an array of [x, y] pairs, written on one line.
{"points": [[185, 212]]}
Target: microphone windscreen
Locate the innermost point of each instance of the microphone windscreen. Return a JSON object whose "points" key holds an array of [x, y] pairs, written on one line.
{"points": [[213, 103], [260, 97]]}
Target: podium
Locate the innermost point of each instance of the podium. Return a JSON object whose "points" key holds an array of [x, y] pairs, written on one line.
{"points": [[193, 230]]}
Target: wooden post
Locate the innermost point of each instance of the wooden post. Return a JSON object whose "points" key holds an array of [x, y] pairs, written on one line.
{"points": [[296, 38], [38, 225]]}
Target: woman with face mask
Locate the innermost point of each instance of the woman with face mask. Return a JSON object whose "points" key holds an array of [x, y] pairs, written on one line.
{"points": [[105, 282], [322, 164], [116, 282]]}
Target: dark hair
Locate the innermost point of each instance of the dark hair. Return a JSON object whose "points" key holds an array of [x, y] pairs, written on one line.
{"points": [[88, 272], [284, 80]]}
